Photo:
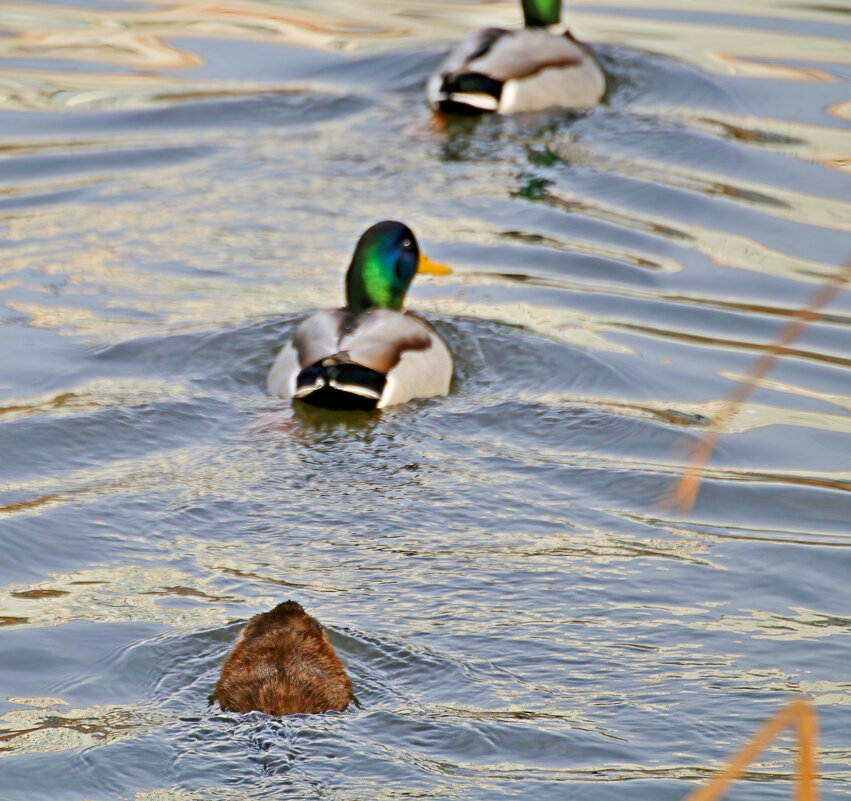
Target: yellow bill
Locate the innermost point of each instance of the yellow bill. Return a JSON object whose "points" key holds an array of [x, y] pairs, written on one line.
{"points": [[426, 265]]}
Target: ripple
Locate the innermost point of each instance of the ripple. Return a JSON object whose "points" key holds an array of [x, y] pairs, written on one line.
{"points": [[518, 610]]}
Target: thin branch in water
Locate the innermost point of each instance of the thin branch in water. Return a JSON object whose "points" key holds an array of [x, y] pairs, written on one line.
{"points": [[800, 715], [685, 492]]}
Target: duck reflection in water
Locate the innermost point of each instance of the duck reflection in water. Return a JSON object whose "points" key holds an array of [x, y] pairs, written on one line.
{"points": [[283, 664]]}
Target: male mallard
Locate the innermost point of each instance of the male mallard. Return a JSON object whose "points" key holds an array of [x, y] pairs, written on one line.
{"points": [[509, 71], [370, 353]]}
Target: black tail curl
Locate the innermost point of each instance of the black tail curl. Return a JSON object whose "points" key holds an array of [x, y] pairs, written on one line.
{"points": [[468, 83], [340, 386]]}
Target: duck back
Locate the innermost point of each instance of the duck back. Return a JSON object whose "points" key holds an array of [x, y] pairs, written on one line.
{"points": [[511, 71], [374, 359]]}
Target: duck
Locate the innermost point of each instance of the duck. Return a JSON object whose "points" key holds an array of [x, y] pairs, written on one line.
{"points": [[502, 71], [283, 664], [370, 353]]}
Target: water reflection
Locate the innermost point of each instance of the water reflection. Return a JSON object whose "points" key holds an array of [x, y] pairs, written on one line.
{"points": [[91, 595], [828, 146], [179, 184], [126, 38], [50, 724]]}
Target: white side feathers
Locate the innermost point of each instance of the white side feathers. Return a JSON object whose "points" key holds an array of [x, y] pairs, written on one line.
{"points": [[484, 102]]}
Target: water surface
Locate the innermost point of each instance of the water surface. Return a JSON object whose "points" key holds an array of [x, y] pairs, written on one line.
{"points": [[521, 615]]}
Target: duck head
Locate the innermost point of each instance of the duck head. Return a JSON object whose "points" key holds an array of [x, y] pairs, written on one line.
{"points": [[385, 261], [541, 13]]}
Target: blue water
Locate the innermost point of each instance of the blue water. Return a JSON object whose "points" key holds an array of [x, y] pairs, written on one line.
{"points": [[521, 612]]}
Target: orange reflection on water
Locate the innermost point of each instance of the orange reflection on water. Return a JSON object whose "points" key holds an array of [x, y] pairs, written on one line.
{"points": [[136, 37], [829, 146], [841, 110], [718, 48]]}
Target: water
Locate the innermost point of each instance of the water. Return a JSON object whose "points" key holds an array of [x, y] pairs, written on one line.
{"points": [[520, 614]]}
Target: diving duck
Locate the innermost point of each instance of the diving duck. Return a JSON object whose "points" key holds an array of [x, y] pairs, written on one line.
{"points": [[370, 353], [511, 71], [283, 664]]}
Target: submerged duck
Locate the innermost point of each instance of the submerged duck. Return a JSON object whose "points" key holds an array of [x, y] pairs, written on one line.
{"points": [[510, 71], [283, 664], [368, 354]]}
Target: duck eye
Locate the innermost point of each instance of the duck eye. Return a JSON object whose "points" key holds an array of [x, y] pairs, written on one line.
{"points": [[407, 244]]}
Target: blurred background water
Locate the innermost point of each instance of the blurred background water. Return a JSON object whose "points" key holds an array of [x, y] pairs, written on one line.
{"points": [[520, 615]]}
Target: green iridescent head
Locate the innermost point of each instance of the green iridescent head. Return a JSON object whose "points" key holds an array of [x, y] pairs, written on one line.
{"points": [[384, 263], [541, 13]]}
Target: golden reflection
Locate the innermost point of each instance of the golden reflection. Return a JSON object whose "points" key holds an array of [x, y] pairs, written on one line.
{"points": [[827, 693], [746, 417], [589, 248], [827, 479], [593, 552], [71, 319], [38, 90], [207, 244], [561, 324], [46, 726], [841, 110], [780, 534], [743, 68], [576, 719], [582, 284], [134, 37], [769, 199], [94, 396], [767, 9], [135, 34], [800, 624], [195, 471], [842, 164], [724, 668], [724, 248], [139, 40], [92, 593], [37, 504], [842, 401], [726, 49], [37, 594], [827, 146]]}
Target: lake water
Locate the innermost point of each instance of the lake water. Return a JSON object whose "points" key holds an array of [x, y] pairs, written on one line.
{"points": [[521, 614]]}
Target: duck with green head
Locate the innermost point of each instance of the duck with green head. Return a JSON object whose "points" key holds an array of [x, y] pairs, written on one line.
{"points": [[369, 353], [527, 69]]}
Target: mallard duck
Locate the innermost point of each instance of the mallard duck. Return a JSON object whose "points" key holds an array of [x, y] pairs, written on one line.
{"points": [[527, 69], [282, 664], [370, 353]]}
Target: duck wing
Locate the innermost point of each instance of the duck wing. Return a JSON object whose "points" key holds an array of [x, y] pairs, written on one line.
{"points": [[318, 336], [525, 53], [420, 372], [405, 349], [379, 337], [315, 337], [522, 70], [334, 352], [457, 85]]}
